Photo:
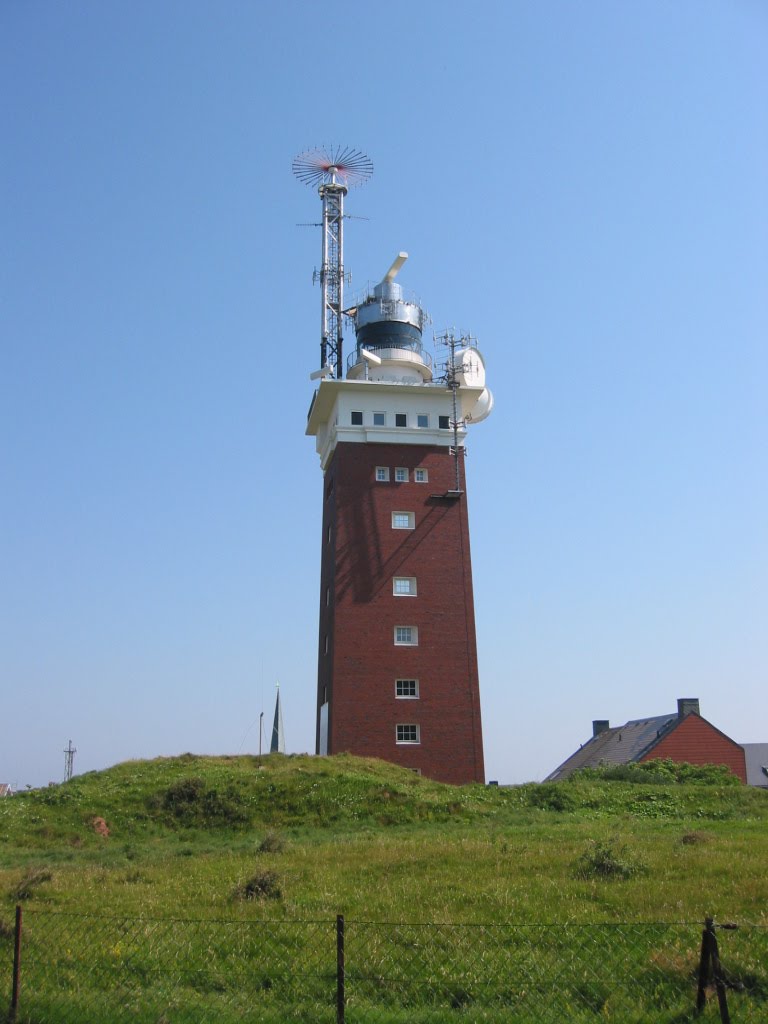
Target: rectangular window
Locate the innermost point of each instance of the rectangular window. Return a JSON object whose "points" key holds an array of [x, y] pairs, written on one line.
{"points": [[407, 689], [379, 419], [401, 475], [357, 419], [421, 476], [444, 422], [403, 520], [327, 596], [326, 643], [382, 474], [408, 734], [401, 420], [422, 420], [406, 636], [404, 586]]}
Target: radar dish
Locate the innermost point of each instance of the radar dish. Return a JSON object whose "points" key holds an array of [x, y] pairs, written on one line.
{"points": [[333, 165]]}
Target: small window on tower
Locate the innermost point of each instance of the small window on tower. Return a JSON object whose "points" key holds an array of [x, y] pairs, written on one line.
{"points": [[421, 476], [406, 636], [403, 520], [357, 419], [401, 420], [444, 422], [404, 586], [326, 643], [408, 734], [407, 689], [382, 474], [422, 420], [401, 475], [379, 419]]}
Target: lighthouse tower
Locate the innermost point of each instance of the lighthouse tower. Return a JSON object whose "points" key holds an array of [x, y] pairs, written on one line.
{"points": [[397, 658]]}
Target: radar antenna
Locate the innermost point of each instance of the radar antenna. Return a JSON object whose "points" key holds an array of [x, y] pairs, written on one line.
{"points": [[334, 170]]}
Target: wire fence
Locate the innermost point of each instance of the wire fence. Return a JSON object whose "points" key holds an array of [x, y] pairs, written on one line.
{"points": [[86, 969]]}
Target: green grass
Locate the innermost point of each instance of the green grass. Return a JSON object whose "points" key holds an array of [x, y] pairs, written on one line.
{"points": [[191, 838]]}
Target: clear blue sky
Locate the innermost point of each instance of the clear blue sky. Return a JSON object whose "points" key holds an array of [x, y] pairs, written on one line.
{"points": [[581, 185]]}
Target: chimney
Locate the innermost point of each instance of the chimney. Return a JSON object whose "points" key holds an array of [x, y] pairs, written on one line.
{"points": [[600, 725], [687, 706]]}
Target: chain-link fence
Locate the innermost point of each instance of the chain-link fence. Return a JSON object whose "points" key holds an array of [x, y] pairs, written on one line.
{"points": [[70, 969]]}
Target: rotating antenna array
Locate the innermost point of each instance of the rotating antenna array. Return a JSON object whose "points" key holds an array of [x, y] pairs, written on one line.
{"points": [[334, 170]]}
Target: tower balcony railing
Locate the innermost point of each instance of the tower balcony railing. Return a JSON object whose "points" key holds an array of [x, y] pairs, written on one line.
{"points": [[395, 355]]}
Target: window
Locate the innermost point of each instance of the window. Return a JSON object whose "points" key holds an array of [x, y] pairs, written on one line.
{"points": [[329, 535], [382, 474], [421, 476], [403, 520], [444, 422], [407, 689], [401, 475], [408, 734], [357, 419], [327, 596], [379, 419], [326, 643], [401, 420], [406, 636], [422, 420], [404, 586]]}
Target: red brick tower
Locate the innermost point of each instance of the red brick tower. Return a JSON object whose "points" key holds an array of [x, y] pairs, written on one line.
{"points": [[397, 660]]}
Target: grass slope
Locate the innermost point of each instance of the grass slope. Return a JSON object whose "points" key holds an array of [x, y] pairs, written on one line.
{"points": [[375, 841]]}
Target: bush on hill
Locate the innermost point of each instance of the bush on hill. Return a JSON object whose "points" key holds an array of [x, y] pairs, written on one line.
{"points": [[659, 772]]}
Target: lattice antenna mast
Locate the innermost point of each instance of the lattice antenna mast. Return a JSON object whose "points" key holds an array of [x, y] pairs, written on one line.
{"points": [[449, 340], [69, 761], [334, 169]]}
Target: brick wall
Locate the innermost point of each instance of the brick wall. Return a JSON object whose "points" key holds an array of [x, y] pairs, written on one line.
{"points": [[358, 612], [696, 741]]}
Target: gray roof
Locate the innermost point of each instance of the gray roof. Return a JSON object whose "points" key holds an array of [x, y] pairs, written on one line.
{"points": [[757, 763], [619, 745]]}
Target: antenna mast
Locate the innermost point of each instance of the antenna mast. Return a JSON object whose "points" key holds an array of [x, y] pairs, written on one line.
{"points": [[334, 169], [452, 382], [69, 761]]}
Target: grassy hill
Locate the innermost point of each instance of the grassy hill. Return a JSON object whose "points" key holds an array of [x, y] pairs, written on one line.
{"points": [[369, 839]]}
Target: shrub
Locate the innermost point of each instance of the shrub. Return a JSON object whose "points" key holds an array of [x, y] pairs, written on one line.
{"points": [[692, 838], [272, 842], [32, 879], [264, 885], [659, 772], [551, 796], [608, 859], [191, 802]]}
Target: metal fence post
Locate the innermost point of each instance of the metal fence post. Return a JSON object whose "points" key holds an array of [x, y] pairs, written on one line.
{"points": [[717, 971], [706, 952], [340, 970], [16, 966]]}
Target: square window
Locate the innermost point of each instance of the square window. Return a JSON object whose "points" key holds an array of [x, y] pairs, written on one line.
{"points": [[407, 689], [408, 734], [401, 420], [357, 419], [406, 636], [401, 475], [379, 419], [422, 420], [404, 586], [444, 422], [403, 520], [382, 474], [421, 476]]}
